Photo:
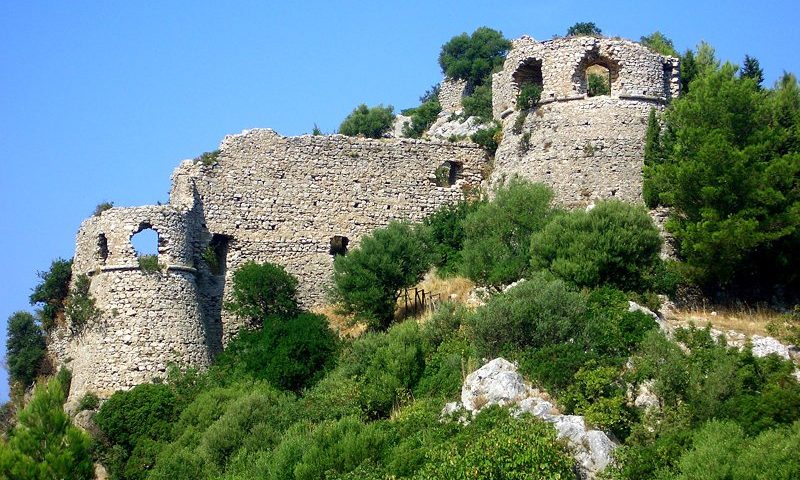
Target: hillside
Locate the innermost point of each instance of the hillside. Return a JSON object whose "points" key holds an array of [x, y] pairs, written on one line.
{"points": [[488, 307]]}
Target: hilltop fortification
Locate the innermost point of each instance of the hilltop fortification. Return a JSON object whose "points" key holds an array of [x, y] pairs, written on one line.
{"points": [[297, 201]]}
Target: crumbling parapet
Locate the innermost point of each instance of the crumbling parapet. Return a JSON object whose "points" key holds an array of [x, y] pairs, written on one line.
{"points": [[586, 148], [451, 92]]}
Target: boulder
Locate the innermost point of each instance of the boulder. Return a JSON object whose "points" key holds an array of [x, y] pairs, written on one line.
{"points": [[496, 383]]}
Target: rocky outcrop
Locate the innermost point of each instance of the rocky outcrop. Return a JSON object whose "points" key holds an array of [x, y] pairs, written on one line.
{"points": [[499, 383]]}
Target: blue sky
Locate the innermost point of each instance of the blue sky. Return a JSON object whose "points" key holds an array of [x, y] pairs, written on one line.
{"points": [[99, 101]]}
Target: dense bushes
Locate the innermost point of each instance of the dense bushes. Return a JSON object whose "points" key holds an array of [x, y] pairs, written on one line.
{"points": [[615, 243], [367, 281], [25, 349], [538, 312], [52, 291], [728, 164], [44, 444], [288, 352], [369, 122], [444, 235], [262, 290], [421, 118], [479, 103], [497, 234], [474, 57]]}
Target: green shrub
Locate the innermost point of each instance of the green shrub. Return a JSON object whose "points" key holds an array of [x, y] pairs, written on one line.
{"points": [[208, 158], [147, 410], [445, 369], [584, 28], [615, 243], [659, 43], [553, 367], [52, 291], [489, 138], [290, 353], [386, 366], [721, 450], [613, 332], [529, 96], [479, 103], [443, 231], [535, 313], [149, 263], [80, 308], [44, 444], [369, 122], [513, 448], [102, 207], [597, 85], [728, 166], [25, 349], [474, 57], [89, 401], [367, 281], [261, 290], [422, 117], [598, 394], [497, 233]]}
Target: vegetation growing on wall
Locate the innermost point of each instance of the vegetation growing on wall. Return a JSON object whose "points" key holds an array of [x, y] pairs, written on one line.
{"points": [[369, 122]]}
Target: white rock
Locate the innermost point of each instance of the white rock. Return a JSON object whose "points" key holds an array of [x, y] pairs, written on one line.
{"points": [[496, 383], [635, 307], [763, 346]]}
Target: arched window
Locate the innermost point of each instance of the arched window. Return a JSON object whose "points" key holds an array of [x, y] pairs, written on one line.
{"points": [[528, 83], [596, 76]]}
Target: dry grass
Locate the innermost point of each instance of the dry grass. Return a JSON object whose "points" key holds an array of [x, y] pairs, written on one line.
{"points": [[341, 324], [746, 320], [452, 289]]}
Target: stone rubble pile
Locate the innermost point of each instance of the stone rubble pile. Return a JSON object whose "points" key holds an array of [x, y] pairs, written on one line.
{"points": [[499, 383]]}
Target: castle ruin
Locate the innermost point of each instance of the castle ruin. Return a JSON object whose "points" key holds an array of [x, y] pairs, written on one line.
{"points": [[298, 201]]}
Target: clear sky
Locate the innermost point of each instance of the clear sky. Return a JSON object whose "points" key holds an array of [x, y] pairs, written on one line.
{"points": [[99, 101]]}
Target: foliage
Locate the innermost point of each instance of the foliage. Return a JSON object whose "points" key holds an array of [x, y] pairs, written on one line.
{"points": [[44, 444], [538, 312], [316, 131], [367, 281], [489, 138], [25, 349], [584, 28], [147, 410], [386, 367], [474, 57], [261, 290], [289, 352], [443, 232], [89, 401], [598, 394], [149, 263], [208, 158], [688, 70], [497, 233], [729, 168], [787, 327], [659, 43], [51, 291], [102, 207], [370, 122], [430, 94], [521, 448], [553, 367], [751, 69], [529, 96], [615, 243], [721, 450], [479, 102], [212, 260], [422, 117], [80, 308], [597, 85]]}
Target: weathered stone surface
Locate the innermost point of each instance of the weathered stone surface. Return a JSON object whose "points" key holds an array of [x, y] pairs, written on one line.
{"points": [[498, 383], [585, 148], [271, 198]]}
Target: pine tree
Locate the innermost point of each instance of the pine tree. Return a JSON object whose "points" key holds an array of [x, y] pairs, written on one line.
{"points": [[751, 68]]}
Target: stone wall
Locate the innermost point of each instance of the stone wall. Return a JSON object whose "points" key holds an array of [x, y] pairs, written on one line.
{"points": [[290, 200], [282, 200], [450, 94], [586, 148], [148, 320]]}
